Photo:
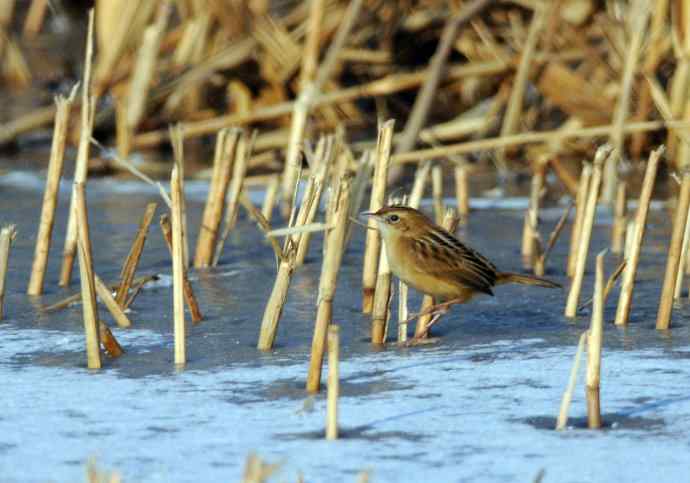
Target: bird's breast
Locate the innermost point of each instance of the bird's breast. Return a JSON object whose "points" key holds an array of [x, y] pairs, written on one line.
{"points": [[409, 265]]}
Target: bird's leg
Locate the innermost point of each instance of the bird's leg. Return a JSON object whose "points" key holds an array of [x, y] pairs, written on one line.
{"points": [[439, 309], [434, 319]]}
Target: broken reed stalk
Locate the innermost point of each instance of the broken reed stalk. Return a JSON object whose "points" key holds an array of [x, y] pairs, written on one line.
{"points": [[88, 107], [437, 192], [239, 172], [50, 195], [110, 344], [137, 287], [7, 234], [306, 99], [270, 197], [372, 245], [594, 345], [226, 142], [319, 180], [189, 297], [129, 268], [310, 55], [586, 230], [562, 420], [177, 141], [513, 114], [462, 192], [274, 305], [328, 282], [540, 261], [619, 218], [88, 290], [673, 267], [529, 252], [610, 283], [116, 309], [639, 12], [145, 68], [628, 283], [435, 73], [580, 202], [450, 223], [72, 299], [418, 186], [286, 266], [333, 382], [382, 296], [178, 268], [557, 135]]}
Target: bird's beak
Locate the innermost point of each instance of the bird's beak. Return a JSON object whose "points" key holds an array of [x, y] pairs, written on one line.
{"points": [[367, 214]]}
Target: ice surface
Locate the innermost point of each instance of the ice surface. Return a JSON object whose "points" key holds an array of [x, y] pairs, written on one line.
{"points": [[479, 406]]}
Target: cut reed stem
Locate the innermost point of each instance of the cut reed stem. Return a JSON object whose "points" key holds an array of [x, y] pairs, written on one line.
{"points": [[88, 290], [7, 234], [286, 267], [328, 282], [129, 268], [673, 267], [189, 297], [177, 141], [587, 224], [619, 218], [88, 106], [437, 192], [239, 171], [682, 265], [333, 382], [382, 295], [562, 420], [462, 192], [178, 268], [270, 197], [403, 312], [540, 262], [529, 234], [50, 195], [372, 245], [226, 142], [580, 202], [594, 345], [322, 169], [628, 283], [274, 306]]}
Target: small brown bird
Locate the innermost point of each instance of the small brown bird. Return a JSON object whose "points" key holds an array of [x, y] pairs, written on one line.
{"points": [[434, 262]]}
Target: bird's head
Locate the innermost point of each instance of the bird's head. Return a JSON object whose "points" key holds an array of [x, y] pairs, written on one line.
{"points": [[399, 221]]}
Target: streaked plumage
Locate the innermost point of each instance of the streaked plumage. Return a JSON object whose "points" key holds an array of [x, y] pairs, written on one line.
{"points": [[433, 261]]}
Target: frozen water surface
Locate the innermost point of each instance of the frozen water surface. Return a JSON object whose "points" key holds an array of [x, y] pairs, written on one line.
{"points": [[479, 405]]}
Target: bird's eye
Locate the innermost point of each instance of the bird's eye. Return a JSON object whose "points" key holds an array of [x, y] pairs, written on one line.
{"points": [[394, 218]]}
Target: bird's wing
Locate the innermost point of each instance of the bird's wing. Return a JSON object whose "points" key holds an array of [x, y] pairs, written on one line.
{"points": [[443, 255]]}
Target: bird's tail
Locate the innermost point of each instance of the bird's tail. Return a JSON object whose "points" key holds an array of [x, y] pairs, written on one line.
{"points": [[508, 277]]}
